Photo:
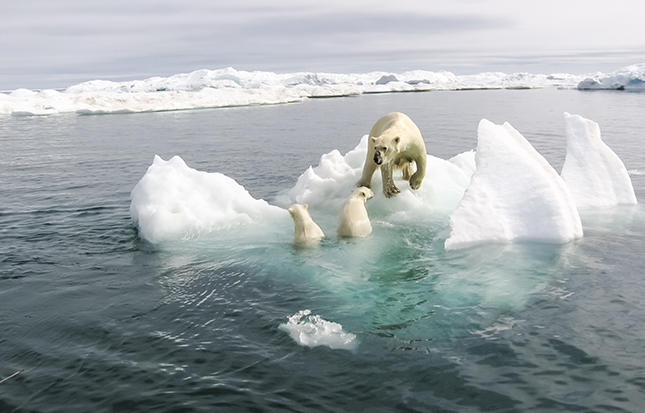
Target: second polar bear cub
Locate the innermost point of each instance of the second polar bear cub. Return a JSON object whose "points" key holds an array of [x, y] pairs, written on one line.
{"points": [[354, 221], [394, 142], [305, 229]]}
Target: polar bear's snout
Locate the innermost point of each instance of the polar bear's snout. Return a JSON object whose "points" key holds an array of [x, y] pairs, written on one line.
{"points": [[379, 154]]}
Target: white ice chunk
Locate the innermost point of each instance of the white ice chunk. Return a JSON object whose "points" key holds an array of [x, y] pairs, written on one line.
{"points": [[328, 185], [627, 78], [174, 201], [466, 162], [311, 331], [594, 174], [513, 195]]}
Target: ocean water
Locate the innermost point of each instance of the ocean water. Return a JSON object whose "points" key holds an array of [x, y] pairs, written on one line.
{"points": [[97, 319]]}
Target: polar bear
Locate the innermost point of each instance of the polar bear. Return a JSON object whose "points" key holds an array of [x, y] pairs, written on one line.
{"points": [[354, 221], [306, 230], [394, 142]]}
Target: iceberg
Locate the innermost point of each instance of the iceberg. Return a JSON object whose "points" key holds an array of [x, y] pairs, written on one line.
{"points": [[594, 174], [627, 78], [514, 194], [174, 201]]}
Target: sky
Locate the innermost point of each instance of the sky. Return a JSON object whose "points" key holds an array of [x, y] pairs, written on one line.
{"points": [[58, 43]]}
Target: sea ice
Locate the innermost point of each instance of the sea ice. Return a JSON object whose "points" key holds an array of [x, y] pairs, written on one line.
{"points": [[514, 194], [503, 191], [229, 87], [327, 186], [627, 78], [594, 174], [312, 331], [174, 201]]}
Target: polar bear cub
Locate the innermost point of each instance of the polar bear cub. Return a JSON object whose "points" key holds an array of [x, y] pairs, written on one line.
{"points": [[305, 229], [395, 142], [354, 221]]}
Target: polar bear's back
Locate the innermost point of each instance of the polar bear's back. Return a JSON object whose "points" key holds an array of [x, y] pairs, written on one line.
{"points": [[305, 229], [354, 220], [395, 120]]}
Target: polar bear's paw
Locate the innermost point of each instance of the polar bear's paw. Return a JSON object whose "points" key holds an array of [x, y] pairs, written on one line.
{"points": [[415, 182], [391, 191]]}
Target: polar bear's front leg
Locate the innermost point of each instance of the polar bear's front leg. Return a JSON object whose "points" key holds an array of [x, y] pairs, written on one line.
{"points": [[368, 171], [389, 189]]}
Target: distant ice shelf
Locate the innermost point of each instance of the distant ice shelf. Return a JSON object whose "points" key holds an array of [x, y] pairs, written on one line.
{"points": [[229, 87], [627, 78]]}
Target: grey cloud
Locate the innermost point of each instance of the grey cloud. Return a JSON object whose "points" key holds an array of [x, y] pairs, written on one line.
{"points": [[75, 39], [391, 24]]}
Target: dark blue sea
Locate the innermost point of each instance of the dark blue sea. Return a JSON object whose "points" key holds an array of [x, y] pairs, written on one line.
{"points": [[93, 318]]}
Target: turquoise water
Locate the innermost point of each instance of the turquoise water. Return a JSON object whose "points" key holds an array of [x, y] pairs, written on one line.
{"points": [[97, 319]]}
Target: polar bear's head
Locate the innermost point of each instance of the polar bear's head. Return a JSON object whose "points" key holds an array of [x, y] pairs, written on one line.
{"points": [[299, 212], [385, 147], [363, 193]]}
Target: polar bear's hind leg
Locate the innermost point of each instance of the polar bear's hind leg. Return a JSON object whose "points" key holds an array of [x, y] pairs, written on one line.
{"points": [[417, 177]]}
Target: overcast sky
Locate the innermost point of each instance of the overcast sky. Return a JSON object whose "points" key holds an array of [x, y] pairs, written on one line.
{"points": [[57, 43]]}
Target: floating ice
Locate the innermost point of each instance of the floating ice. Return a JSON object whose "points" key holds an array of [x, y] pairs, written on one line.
{"points": [[594, 174], [230, 87], [627, 78], [503, 191], [327, 186], [312, 331], [174, 201], [514, 194]]}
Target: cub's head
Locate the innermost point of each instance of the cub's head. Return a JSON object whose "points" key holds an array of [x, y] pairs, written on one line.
{"points": [[299, 211], [385, 147], [363, 193]]}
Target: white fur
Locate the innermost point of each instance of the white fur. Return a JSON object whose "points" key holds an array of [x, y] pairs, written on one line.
{"points": [[306, 230], [399, 143], [354, 221]]}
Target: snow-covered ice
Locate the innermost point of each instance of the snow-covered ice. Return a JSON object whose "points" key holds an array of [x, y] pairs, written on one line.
{"points": [[174, 201], [627, 78], [229, 87]]}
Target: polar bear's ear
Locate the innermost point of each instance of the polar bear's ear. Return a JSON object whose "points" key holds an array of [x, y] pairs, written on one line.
{"points": [[366, 193], [306, 206], [373, 139]]}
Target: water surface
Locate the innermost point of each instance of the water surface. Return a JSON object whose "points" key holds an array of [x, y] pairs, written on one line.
{"points": [[101, 320]]}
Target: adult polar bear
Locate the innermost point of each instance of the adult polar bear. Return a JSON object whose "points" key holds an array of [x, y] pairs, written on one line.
{"points": [[394, 143]]}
